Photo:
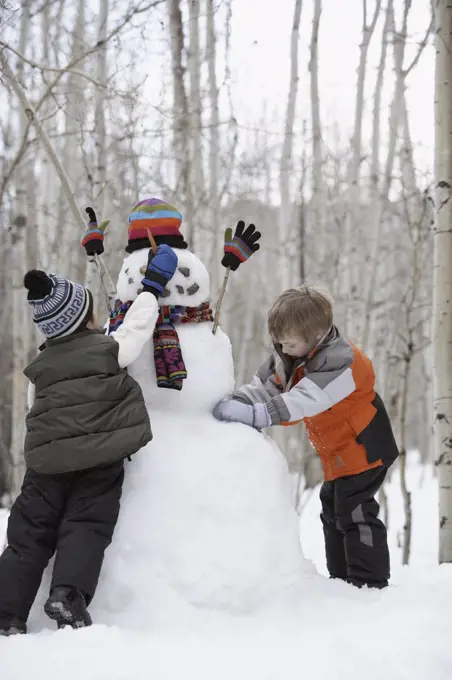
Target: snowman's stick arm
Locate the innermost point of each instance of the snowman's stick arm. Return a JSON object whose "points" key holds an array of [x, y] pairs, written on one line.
{"points": [[220, 300], [106, 282], [152, 241], [110, 287], [237, 249]]}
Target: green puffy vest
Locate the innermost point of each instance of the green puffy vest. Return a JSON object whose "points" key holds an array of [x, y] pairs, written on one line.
{"points": [[87, 410]]}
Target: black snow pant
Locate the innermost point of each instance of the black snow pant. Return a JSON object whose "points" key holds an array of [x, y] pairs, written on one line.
{"points": [[73, 515], [355, 539]]}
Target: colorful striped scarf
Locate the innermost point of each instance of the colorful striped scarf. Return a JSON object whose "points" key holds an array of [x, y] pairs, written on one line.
{"points": [[169, 364]]}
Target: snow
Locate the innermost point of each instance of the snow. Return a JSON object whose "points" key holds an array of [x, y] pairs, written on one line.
{"points": [[316, 629], [217, 532]]}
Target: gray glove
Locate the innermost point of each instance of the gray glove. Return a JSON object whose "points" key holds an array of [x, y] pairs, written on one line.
{"points": [[233, 411]]}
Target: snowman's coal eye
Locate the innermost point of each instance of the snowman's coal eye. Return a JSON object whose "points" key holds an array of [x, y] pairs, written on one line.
{"points": [[193, 289], [130, 281], [180, 289], [166, 293], [126, 271], [184, 271]]}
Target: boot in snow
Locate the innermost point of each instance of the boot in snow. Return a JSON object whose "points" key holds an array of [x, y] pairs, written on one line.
{"points": [[67, 606], [12, 626], [359, 583]]}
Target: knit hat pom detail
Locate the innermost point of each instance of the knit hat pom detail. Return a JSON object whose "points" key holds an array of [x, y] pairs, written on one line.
{"points": [[38, 284]]}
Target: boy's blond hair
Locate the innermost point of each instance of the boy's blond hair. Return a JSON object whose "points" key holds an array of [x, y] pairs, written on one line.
{"points": [[305, 312]]}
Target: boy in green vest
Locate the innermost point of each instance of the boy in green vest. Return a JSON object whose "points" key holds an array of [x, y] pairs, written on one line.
{"points": [[87, 414]]}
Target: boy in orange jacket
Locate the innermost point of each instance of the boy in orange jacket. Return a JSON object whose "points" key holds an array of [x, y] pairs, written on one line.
{"points": [[318, 377]]}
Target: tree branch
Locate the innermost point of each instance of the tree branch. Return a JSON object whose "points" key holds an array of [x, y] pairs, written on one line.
{"points": [[422, 46], [371, 27], [53, 69], [69, 68], [15, 162], [31, 115]]}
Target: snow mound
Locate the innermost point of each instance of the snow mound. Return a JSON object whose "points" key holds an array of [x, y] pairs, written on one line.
{"points": [[209, 516], [206, 520], [318, 629]]}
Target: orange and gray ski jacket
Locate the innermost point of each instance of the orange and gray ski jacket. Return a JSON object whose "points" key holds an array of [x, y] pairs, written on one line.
{"points": [[332, 392]]}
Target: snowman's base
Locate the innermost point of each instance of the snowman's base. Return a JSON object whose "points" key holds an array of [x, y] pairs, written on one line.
{"points": [[206, 521]]}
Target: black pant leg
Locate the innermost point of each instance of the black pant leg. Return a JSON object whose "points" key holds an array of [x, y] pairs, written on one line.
{"points": [[32, 536], [366, 544], [87, 527], [334, 537]]}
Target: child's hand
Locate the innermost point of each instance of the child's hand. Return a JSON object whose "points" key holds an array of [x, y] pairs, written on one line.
{"points": [[93, 238], [233, 411], [160, 269]]}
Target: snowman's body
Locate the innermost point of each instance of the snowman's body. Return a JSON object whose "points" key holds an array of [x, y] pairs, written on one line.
{"points": [[206, 514]]}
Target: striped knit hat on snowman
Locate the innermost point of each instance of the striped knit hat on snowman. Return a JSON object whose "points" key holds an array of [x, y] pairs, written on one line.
{"points": [[59, 306], [161, 219]]}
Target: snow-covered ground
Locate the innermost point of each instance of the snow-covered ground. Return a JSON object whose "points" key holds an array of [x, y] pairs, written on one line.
{"points": [[317, 630]]}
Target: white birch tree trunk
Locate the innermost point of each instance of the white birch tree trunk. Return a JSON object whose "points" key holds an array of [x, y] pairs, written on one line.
{"points": [[100, 191], [379, 190], [48, 188], [318, 203], [286, 163], [181, 125], [353, 241], [195, 111], [69, 246], [215, 239], [442, 275], [20, 319]]}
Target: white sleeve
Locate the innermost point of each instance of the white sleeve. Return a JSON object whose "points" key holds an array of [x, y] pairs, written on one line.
{"points": [[262, 388], [137, 328], [308, 398], [30, 395]]}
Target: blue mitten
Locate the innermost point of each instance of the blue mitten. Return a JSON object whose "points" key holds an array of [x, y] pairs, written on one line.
{"points": [[160, 269], [233, 411]]}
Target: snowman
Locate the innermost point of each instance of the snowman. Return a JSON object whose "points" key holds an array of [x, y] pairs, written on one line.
{"points": [[206, 515]]}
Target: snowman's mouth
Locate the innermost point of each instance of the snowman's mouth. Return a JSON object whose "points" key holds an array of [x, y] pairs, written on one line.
{"points": [[181, 290], [185, 271]]}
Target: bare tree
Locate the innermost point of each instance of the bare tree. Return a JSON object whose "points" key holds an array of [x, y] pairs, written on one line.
{"points": [[21, 334], [181, 126], [286, 167], [99, 178], [353, 244], [214, 198], [413, 315], [197, 180], [442, 276], [318, 201]]}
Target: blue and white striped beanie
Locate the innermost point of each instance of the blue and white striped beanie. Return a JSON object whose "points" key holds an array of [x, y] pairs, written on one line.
{"points": [[59, 305]]}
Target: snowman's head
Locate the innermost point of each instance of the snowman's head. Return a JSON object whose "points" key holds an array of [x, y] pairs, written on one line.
{"points": [[190, 285]]}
